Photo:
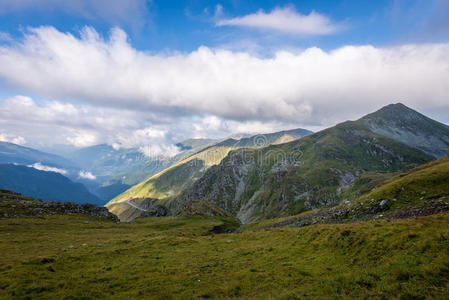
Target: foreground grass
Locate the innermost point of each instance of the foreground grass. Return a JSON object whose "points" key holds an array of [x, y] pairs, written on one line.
{"points": [[164, 258]]}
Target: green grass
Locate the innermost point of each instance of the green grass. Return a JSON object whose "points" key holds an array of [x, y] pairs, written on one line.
{"points": [[415, 187], [176, 258]]}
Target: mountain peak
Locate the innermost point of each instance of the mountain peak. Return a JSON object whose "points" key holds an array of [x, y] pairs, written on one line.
{"points": [[395, 111], [410, 127]]}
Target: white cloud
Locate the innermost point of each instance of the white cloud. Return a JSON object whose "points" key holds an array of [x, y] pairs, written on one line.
{"points": [[285, 19], [41, 167], [153, 141], [82, 138], [135, 98], [87, 175], [5, 137]]}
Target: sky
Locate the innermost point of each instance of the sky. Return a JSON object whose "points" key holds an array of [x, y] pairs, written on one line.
{"points": [[150, 72]]}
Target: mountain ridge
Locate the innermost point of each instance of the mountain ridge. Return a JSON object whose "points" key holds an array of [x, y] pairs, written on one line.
{"points": [[330, 161], [173, 180]]}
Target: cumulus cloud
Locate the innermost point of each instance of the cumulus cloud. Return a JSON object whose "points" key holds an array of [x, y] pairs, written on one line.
{"points": [[10, 138], [126, 97], [41, 167], [82, 138], [87, 175], [306, 86], [285, 19]]}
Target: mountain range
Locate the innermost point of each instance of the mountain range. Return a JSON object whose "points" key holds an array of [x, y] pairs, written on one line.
{"points": [[169, 183], [281, 179], [12, 153], [104, 170], [250, 177]]}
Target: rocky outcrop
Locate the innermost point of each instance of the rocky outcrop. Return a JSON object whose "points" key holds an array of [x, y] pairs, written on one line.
{"points": [[14, 205]]}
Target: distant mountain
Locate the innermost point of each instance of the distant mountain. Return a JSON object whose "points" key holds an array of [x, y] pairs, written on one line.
{"points": [[174, 180], [116, 170], [403, 124], [44, 185], [104, 161], [12, 153]]}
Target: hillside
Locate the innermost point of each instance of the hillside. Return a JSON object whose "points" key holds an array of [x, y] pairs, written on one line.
{"points": [[333, 165], [172, 181], [44, 185], [81, 256], [116, 170], [421, 191]]}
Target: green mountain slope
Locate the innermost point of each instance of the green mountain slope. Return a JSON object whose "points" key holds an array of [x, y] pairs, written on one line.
{"points": [[319, 170], [421, 191], [117, 170], [339, 163], [169, 183], [44, 185], [426, 182]]}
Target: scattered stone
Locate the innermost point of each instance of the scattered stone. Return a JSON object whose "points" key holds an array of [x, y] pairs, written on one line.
{"points": [[70, 247], [99, 244]]}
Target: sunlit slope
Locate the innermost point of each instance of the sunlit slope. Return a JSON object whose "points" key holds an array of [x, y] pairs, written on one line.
{"points": [[421, 191], [172, 181], [429, 182]]}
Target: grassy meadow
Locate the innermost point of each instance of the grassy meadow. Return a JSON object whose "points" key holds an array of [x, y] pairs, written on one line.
{"points": [[82, 257]]}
